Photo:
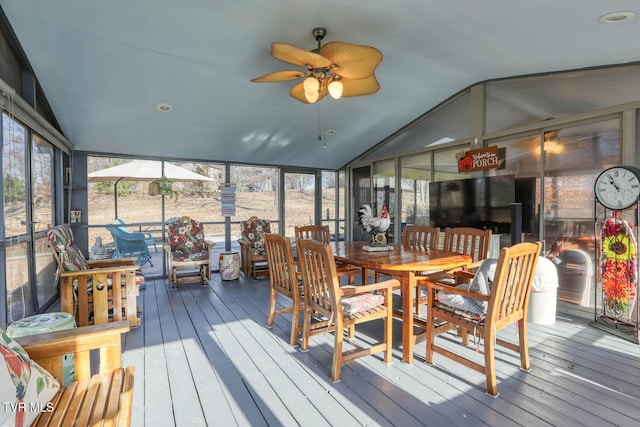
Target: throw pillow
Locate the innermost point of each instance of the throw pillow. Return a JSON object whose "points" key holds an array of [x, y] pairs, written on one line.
{"points": [[25, 387], [481, 283]]}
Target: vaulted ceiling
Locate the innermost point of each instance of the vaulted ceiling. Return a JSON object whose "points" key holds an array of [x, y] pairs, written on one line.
{"points": [[106, 65]]}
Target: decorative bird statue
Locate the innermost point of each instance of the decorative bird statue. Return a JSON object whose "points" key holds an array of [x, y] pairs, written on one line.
{"points": [[372, 224]]}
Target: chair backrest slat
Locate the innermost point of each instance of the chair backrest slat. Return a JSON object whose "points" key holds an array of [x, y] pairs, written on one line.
{"points": [[319, 233], [468, 241], [319, 276], [512, 282], [423, 236], [282, 269]]}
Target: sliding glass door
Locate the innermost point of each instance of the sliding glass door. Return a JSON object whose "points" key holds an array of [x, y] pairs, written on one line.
{"points": [[28, 210]]}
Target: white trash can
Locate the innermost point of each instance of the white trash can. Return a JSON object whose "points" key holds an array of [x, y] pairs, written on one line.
{"points": [[544, 293]]}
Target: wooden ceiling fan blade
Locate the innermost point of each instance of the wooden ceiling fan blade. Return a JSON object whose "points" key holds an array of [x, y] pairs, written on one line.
{"points": [[357, 87], [280, 76], [354, 61], [294, 55], [297, 92]]}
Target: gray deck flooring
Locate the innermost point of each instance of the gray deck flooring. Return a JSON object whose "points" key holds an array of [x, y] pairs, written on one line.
{"points": [[204, 356]]}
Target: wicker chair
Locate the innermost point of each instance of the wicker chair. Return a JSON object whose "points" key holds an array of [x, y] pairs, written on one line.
{"points": [[503, 303], [148, 238], [130, 245]]}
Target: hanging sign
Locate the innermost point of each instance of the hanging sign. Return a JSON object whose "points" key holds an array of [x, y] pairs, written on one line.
{"points": [[480, 159], [228, 199]]}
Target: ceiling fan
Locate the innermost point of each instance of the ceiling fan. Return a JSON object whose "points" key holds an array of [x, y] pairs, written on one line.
{"points": [[338, 68]]}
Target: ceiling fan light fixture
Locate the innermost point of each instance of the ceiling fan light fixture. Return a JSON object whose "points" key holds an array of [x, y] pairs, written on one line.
{"points": [[335, 89], [312, 97], [311, 85]]}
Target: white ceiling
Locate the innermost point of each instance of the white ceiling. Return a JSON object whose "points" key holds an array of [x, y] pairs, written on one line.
{"points": [[105, 65]]}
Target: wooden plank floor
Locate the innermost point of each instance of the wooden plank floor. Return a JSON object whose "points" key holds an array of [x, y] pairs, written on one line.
{"points": [[204, 356]]}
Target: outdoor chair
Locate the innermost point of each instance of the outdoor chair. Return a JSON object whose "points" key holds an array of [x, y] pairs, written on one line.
{"points": [[148, 238], [87, 287], [130, 245], [254, 257], [463, 240], [341, 307], [322, 234], [422, 236], [483, 307], [188, 253], [100, 394], [284, 279]]}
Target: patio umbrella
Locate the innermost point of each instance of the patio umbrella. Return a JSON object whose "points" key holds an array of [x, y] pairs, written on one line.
{"points": [[143, 170]]}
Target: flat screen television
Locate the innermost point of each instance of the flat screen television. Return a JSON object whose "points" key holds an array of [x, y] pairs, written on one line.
{"points": [[475, 202]]}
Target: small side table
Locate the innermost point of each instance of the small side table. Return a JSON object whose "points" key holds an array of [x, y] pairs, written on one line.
{"points": [[42, 323]]}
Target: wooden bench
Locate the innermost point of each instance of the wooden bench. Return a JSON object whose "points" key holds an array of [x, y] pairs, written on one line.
{"points": [[104, 398]]}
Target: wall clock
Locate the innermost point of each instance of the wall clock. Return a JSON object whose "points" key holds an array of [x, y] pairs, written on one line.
{"points": [[618, 187]]}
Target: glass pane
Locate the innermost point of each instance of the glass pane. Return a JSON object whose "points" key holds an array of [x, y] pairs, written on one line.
{"points": [[299, 201], [574, 157], [19, 299], [511, 103], [361, 195], [384, 183], [331, 186], [256, 194], [522, 161], [415, 174], [193, 190], [445, 165], [42, 183], [15, 176], [45, 272]]}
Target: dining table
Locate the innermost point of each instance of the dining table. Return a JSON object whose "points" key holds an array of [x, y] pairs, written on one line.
{"points": [[405, 263]]}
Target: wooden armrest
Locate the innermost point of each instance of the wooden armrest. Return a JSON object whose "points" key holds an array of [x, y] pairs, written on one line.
{"points": [[93, 271], [464, 274], [101, 263], [47, 349], [354, 290], [71, 340], [458, 291], [244, 242]]}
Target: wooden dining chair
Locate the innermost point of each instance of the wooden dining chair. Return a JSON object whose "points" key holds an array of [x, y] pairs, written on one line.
{"points": [[322, 234], [468, 241], [341, 307], [421, 235], [506, 299], [284, 279]]}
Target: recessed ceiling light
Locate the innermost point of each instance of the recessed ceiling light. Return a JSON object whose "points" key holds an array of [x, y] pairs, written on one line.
{"points": [[615, 17], [165, 108]]}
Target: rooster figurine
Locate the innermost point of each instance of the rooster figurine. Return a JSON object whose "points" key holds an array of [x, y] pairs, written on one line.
{"points": [[376, 227]]}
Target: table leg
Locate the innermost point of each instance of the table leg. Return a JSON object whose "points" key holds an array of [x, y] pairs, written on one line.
{"points": [[408, 285]]}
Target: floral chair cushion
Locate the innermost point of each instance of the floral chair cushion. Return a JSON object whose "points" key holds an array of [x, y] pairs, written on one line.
{"points": [[61, 238], [253, 231], [186, 239], [25, 387], [360, 303]]}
